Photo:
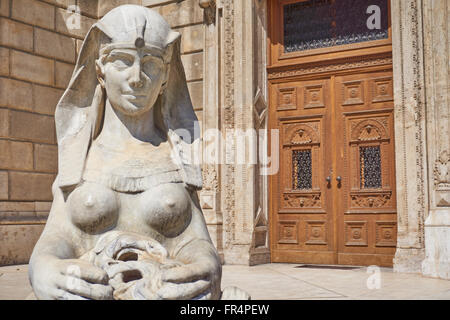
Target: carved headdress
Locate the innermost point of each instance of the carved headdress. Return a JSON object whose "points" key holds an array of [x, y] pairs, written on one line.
{"points": [[79, 113]]}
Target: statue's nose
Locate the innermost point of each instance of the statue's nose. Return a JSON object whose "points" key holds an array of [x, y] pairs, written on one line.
{"points": [[135, 76]]}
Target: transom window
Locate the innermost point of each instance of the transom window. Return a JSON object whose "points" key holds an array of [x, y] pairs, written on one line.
{"points": [[314, 24]]}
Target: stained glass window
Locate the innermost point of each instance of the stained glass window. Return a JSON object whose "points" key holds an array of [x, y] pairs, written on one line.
{"points": [[370, 165], [316, 24], [302, 169]]}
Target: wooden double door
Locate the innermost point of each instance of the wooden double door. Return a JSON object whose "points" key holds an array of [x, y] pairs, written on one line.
{"points": [[333, 200]]}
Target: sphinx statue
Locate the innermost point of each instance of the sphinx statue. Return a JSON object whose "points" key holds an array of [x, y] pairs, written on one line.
{"points": [[125, 222]]}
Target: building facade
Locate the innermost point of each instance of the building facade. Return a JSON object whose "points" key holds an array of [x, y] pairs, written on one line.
{"points": [[345, 127]]}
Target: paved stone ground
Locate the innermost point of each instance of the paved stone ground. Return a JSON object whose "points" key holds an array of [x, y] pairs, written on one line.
{"points": [[289, 281]]}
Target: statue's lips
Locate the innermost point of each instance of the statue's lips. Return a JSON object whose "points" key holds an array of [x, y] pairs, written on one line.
{"points": [[134, 96]]}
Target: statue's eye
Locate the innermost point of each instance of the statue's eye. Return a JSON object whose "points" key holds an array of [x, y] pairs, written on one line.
{"points": [[152, 66], [121, 62]]}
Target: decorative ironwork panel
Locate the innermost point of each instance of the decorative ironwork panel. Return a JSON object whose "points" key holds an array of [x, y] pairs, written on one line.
{"points": [[314, 24], [302, 169], [370, 164]]}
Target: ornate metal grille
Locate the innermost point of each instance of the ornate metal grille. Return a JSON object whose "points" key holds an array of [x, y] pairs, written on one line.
{"points": [[316, 24], [302, 169], [370, 164]]}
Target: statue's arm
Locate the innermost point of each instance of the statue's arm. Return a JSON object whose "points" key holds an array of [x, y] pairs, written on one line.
{"points": [[201, 273], [195, 242], [55, 242], [54, 271]]}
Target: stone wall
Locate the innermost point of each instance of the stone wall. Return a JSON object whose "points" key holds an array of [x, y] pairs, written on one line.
{"points": [[37, 56]]}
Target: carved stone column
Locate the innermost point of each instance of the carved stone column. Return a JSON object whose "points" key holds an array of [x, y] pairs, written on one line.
{"points": [[249, 231], [210, 199], [235, 103], [437, 75], [410, 133]]}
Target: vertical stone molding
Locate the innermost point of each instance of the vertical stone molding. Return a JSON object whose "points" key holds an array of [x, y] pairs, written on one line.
{"points": [[212, 142], [410, 133], [259, 250], [227, 127], [235, 103], [437, 74]]}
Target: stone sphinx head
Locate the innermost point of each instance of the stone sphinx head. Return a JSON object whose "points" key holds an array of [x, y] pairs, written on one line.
{"points": [[132, 58], [134, 61]]}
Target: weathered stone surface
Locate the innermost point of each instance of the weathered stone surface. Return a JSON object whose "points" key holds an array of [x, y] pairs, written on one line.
{"points": [[4, 190], [4, 66], [182, 13], [32, 127], [62, 16], [104, 6], [45, 99], [16, 94], [62, 3], [4, 8], [196, 92], [437, 79], [32, 68], [16, 155], [4, 123], [15, 34], [88, 7], [193, 66], [42, 206], [30, 186], [191, 38], [11, 206], [46, 158], [152, 3], [34, 12], [79, 44], [18, 242], [62, 74], [54, 45]]}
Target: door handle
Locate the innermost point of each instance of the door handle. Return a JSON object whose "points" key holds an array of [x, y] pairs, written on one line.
{"points": [[339, 180], [328, 179]]}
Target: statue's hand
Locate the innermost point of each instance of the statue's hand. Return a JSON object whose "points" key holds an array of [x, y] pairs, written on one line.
{"points": [[199, 280], [70, 279]]}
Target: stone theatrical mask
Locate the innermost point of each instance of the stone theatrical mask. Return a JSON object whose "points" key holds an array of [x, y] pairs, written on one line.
{"points": [[125, 222]]}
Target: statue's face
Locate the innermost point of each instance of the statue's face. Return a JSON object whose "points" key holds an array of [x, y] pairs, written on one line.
{"points": [[133, 79]]}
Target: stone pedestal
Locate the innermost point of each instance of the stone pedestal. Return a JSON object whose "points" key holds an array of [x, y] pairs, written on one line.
{"points": [[437, 245]]}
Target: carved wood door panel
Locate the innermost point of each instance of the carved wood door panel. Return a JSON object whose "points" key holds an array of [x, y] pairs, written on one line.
{"points": [[366, 216], [333, 199], [303, 224]]}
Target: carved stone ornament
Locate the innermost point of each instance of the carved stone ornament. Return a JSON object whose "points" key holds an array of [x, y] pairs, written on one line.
{"points": [[442, 171], [125, 221], [209, 7]]}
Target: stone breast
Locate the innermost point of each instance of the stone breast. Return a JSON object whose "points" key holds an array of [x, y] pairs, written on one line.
{"points": [[95, 208], [166, 208]]}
